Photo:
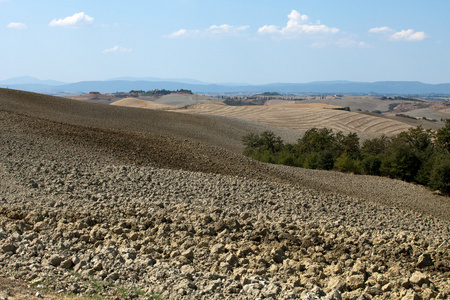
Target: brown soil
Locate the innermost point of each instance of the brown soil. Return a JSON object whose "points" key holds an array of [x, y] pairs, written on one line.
{"points": [[43, 125], [184, 141], [194, 143]]}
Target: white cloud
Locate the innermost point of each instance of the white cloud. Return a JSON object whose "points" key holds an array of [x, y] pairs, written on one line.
{"points": [[78, 19], [225, 29], [297, 25], [346, 42], [383, 29], [350, 43], [117, 49], [183, 33], [212, 31], [270, 29], [405, 35], [16, 25], [409, 36]]}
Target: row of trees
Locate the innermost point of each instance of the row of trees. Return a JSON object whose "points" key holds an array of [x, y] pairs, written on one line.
{"points": [[159, 93], [418, 155]]}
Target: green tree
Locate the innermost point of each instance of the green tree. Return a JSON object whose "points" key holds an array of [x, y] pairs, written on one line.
{"points": [[316, 140], [287, 156], [417, 155], [371, 165], [443, 137], [400, 161], [310, 161], [421, 142], [345, 163], [440, 174], [419, 139], [375, 146], [263, 147], [371, 152], [325, 160], [251, 140], [271, 142], [349, 145]]}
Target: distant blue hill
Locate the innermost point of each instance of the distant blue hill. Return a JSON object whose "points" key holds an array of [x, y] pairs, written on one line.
{"points": [[156, 79], [28, 80], [323, 87]]}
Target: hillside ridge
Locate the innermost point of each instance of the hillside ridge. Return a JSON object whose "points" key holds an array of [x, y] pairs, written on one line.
{"points": [[115, 202]]}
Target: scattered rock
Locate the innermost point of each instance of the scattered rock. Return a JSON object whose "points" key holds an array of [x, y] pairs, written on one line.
{"points": [[355, 282], [55, 260], [8, 247], [418, 278], [411, 295], [425, 260], [94, 216], [66, 264]]}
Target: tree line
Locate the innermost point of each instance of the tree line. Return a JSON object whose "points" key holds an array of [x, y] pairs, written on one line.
{"points": [[417, 155], [159, 93]]}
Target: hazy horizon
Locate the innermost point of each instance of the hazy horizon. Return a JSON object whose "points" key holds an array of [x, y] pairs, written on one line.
{"points": [[23, 80], [250, 42]]}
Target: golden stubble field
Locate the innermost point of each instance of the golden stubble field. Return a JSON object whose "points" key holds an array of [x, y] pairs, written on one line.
{"points": [[302, 117], [292, 116], [138, 103]]}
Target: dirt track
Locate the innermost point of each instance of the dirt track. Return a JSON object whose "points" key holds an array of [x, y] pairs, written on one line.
{"points": [[75, 160]]}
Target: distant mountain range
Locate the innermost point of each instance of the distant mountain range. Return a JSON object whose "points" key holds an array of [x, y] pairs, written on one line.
{"points": [[126, 84]]}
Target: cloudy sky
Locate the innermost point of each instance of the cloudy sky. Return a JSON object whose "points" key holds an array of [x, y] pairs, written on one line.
{"points": [[220, 41]]}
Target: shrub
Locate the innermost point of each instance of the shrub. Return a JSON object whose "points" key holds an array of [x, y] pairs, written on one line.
{"points": [[310, 161], [288, 160], [371, 165], [251, 141], [316, 140], [399, 161], [325, 160], [263, 147], [443, 137], [440, 174], [270, 141], [266, 141], [349, 145], [287, 156], [417, 155], [345, 163], [375, 146]]}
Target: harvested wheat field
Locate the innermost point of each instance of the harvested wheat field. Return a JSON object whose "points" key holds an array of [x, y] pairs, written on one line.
{"points": [[108, 202], [138, 103], [298, 116], [364, 103], [300, 105]]}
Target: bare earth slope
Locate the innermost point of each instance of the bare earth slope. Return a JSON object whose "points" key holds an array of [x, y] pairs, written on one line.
{"points": [[173, 140], [130, 119], [91, 199]]}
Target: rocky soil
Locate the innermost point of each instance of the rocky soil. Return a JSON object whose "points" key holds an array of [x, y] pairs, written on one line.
{"points": [[123, 214]]}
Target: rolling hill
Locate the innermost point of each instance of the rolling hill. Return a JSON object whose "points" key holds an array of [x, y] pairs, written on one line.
{"points": [[297, 116], [105, 201]]}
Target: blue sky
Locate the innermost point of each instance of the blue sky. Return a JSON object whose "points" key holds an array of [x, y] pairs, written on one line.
{"points": [[222, 41]]}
